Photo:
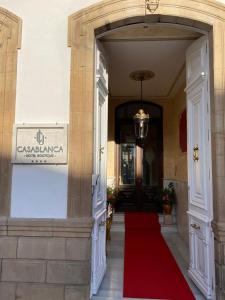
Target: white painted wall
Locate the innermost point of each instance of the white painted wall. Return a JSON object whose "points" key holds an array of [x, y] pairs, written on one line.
{"points": [[43, 80], [39, 191]]}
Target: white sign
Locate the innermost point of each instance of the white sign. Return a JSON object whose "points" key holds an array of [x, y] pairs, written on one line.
{"points": [[40, 144]]}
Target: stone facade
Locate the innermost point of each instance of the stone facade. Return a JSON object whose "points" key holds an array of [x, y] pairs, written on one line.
{"points": [[50, 259], [45, 259]]}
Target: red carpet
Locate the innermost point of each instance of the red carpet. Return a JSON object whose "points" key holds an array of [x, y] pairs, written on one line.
{"points": [[150, 271]]}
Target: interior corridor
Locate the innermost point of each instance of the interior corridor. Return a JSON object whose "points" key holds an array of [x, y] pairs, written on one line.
{"points": [[112, 285]]}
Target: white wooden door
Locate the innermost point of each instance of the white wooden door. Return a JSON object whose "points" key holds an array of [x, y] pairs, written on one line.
{"points": [[200, 210], [99, 180]]}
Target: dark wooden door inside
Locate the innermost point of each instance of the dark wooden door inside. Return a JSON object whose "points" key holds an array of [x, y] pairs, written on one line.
{"points": [[139, 162]]}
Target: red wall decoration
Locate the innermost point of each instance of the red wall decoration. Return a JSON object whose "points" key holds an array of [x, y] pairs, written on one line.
{"points": [[183, 131]]}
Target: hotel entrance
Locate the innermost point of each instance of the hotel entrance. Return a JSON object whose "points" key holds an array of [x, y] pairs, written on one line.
{"points": [[200, 18], [140, 168]]}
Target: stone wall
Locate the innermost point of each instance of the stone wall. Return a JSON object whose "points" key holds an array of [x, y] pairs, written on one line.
{"points": [[45, 259]]}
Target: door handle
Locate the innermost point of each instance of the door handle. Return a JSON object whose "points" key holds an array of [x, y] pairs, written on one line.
{"points": [[196, 153], [195, 226]]}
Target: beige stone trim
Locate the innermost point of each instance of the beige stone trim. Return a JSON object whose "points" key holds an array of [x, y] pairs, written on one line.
{"points": [[98, 19], [46, 227], [112, 14], [13, 24], [10, 41]]}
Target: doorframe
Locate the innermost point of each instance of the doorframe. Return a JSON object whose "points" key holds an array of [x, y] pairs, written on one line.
{"points": [[11, 39], [100, 18]]}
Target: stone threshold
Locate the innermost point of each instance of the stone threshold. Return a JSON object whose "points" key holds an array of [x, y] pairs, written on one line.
{"points": [[166, 223]]}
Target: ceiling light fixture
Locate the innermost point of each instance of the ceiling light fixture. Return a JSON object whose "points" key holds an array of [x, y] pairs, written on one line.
{"points": [[141, 119]]}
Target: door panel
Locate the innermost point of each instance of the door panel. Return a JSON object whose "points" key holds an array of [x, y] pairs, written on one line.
{"points": [[99, 176], [198, 195], [201, 241], [127, 164]]}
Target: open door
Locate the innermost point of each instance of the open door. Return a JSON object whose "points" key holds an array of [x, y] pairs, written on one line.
{"points": [[99, 178], [200, 211]]}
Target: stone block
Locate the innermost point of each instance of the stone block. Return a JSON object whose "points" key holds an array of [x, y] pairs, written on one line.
{"points": [[23, 270], [168, 219], [7, 291], [8, 247], [222, 281], [68, 272], [78, 249], [218, 275], [77, 293], [220, 295], [41, 248], [218, 250], [39, 292]]}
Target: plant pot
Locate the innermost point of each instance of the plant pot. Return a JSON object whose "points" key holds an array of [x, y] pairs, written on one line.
{"points": [[167, 209]]}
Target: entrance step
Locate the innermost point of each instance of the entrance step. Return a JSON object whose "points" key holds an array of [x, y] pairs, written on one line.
{"points": [[105, 298], [167, 226], [118, 222], [115, 298]]}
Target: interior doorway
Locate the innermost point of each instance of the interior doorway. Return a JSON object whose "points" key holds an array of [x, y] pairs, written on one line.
{"points": [[139, 163], [153, 47]]}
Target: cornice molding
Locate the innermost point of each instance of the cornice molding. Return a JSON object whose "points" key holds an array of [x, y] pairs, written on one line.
{"points": [[111, 10], [13, 25]]}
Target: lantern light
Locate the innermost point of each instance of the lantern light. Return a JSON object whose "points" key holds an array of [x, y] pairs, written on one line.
{"points": [[141, 119]]}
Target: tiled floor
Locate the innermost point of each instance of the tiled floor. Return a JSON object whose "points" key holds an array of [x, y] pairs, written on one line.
{"points": [[112, 285]]}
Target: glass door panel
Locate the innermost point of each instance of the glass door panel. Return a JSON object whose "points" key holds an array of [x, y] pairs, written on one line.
{"points": [[152, 173], [127, 164]]}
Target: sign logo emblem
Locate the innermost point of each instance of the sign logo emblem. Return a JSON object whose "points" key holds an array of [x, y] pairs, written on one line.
{"points": [[152, 5], [40, 137]]}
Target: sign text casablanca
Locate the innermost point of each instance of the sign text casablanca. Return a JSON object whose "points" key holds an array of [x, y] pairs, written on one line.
{"points": [[40, 144]]}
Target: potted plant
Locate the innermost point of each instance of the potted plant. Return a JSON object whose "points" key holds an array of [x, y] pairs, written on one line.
{"points": [[111, 195], [111, 201], [168, 198]]}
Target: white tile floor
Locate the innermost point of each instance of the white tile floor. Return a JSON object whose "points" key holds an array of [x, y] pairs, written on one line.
{"points": [[112, 285]]}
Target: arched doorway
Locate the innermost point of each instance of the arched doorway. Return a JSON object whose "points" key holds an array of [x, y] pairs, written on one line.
{"points": [[139, 163], [209, 16], [130, 155]]}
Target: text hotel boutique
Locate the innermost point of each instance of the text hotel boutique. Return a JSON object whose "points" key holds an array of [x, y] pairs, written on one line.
{"points": [[59, 98]]}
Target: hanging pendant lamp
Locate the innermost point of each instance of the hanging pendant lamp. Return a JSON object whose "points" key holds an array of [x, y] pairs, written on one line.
{"points": [[141, 119]]}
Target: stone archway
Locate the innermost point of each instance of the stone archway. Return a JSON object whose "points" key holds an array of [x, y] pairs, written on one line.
{"points": [[10, 39], [206, 15]]}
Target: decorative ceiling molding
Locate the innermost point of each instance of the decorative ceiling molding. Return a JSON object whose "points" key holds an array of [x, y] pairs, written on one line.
{"points": [[173, 90]]}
